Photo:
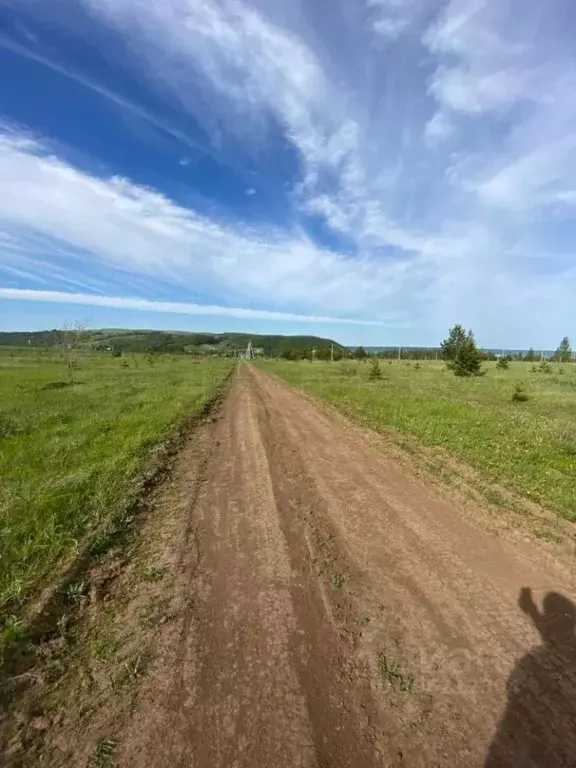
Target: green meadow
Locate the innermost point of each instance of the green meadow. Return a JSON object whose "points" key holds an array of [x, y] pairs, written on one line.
{"points": [[73, 445]]}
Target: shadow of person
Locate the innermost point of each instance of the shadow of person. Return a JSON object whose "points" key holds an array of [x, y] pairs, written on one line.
{"points": [[538, 727]]}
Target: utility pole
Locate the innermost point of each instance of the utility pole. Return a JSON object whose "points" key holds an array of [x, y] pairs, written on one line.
{"points": [[313, 354], [331, 353], [399, 354]]}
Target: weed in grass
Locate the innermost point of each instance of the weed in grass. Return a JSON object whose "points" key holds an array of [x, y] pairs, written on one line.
{"points": [[12, 631], [104, 647], [132, 669], [364, 621], [115, 532], [391, 672], [154, 573], [103, 751], [337, 581], [494, 497], [75, 592]]}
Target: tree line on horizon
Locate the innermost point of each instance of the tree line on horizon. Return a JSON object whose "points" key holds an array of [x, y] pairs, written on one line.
{"points": [[459, 351]]}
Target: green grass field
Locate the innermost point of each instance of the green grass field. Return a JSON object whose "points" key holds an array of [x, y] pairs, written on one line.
{"points": [[527, 447], [71, 453]]}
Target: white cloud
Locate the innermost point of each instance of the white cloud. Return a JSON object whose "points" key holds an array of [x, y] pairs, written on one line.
{"points": [[390, 27], [541, 177], [181, 308], [51, 209], [483, 67], [393, 17], [253, 64], [500, 59], [439, 127], [474, 93]]}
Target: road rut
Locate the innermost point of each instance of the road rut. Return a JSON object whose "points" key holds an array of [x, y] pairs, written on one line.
{"points": [[336, 610]]}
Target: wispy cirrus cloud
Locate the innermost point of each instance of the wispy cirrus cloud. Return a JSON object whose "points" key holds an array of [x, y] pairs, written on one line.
{"points": [[255, 72], [106, 93], [135, 230], [174, 307]]}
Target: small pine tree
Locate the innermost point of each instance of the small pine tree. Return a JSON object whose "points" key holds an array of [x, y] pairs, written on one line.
{"points": [[450, 346], [502, 363], [564, 352], [519, 395], [461, 353], [375, 371], [360, 353], [530, 356], [545, 367]]}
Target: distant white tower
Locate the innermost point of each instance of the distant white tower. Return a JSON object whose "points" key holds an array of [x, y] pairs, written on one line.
{"points": [[249, 352]]}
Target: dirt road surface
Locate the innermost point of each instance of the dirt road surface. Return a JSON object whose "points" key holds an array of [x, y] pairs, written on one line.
{"points": [[335, 609]]}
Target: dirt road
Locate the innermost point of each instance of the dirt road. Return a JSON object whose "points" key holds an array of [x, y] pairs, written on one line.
{"points": [[334, 610]]}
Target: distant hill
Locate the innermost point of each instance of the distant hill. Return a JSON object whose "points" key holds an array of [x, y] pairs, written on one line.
{"points": [[169, 341]]}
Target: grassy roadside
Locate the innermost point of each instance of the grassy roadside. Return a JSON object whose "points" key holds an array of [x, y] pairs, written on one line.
{"points": [[527, 447], [71, 454]]}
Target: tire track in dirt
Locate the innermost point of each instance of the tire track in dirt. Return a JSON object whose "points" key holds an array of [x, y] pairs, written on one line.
{"points": [[258, 671]]}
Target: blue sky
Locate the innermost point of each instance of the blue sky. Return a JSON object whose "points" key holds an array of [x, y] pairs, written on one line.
{"points": [[370, 170]]}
